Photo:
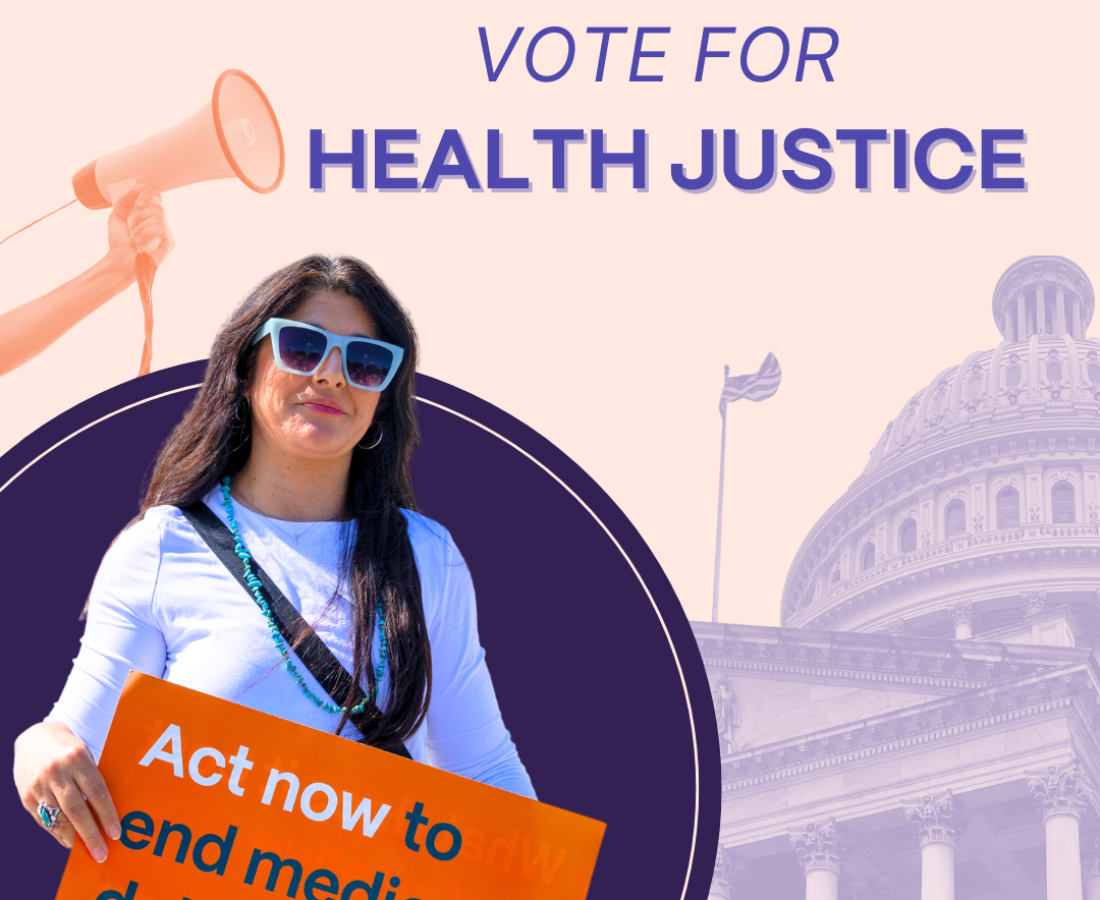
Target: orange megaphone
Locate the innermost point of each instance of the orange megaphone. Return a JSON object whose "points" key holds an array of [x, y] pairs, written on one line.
{"points": [[236, 135]]}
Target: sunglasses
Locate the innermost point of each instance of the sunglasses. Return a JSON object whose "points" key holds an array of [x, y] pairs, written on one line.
{"points": [[301, 349]]}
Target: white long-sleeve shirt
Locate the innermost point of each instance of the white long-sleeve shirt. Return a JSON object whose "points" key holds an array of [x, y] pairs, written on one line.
{"points": [[163, 604]]}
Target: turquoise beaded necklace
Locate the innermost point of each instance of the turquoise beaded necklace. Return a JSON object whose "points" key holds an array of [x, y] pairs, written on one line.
{"points": [[254, 584]]}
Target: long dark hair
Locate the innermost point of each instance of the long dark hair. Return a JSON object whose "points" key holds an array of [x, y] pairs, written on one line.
{"points": [[215, 439]]}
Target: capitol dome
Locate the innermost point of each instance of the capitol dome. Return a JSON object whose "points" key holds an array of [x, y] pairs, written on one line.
{"points": [[980, 503]]}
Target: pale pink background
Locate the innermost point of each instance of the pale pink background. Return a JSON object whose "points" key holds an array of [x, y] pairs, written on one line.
{"points": [[566, 309]]}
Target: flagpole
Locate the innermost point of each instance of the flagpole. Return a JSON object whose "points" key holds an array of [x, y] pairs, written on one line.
{"points": [[718, 537]]}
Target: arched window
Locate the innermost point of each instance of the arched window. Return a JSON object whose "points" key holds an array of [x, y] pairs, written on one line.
{"points": [[1012, 376], [973, 386], [1054, 370], [1008, 508], [1062, 505], [907, 536], [939, 405], [956, 518], [1094, 372], [907, 424], [867, 558]]}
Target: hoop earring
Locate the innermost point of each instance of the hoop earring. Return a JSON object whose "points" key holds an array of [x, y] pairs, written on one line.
{"points": [[245, 438], [377, 441], [243, 422], [239, 411]]}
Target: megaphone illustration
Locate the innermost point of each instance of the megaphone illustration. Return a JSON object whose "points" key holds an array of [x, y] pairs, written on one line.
{"points": [[235, 135]]}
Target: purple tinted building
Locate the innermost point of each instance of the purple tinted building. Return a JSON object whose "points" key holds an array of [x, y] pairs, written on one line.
{"points": [[926, 721]]}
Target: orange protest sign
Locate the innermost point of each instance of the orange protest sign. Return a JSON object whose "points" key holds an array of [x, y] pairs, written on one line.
{"points": [[221, 801]]}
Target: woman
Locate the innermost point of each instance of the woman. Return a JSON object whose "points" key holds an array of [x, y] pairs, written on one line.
{"points": [[299, 441]]}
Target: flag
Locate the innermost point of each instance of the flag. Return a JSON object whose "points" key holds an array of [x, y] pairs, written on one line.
{"points": [[758, 386]]}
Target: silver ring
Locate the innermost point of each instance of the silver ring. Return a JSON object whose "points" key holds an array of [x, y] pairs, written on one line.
{"points": [[48, 815]]}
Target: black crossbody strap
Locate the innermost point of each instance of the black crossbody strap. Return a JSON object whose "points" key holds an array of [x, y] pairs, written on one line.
{"points": [[296, 631]]}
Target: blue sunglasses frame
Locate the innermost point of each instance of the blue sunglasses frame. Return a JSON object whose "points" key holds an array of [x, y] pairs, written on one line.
{"points": [[341, 341]]}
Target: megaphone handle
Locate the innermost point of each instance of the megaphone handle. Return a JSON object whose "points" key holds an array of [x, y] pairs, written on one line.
{"points": [[146, 270]]}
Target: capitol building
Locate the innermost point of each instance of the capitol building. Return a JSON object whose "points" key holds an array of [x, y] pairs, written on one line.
{"points": [[925, 723]]}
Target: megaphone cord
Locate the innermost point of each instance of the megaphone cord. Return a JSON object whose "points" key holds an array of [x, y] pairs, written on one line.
{"points": [[146, 270], [39, 219]]}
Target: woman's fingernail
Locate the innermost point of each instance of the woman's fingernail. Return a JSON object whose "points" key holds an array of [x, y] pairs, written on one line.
{"points": [[115, 832], [99, 854]]}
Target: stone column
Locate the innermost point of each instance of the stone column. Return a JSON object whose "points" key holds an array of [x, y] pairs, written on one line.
{"points": [[728, 871], [1090, 866], [964, 620], [1040, 309], [935, 817], [820, 849], [1021, 316], [1077, 333], [1062, 794], [1060, 309]]}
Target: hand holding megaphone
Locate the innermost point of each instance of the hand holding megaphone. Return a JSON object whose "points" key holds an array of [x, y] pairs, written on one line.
{"points": [[137, 231], [137, 224], [235, 135]]}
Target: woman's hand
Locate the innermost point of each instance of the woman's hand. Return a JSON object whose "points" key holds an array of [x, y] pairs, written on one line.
{"points": [[54, 765], [137, 223]]}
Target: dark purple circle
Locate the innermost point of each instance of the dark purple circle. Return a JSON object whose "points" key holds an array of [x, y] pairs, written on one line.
{"points": [[595, 667]]}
